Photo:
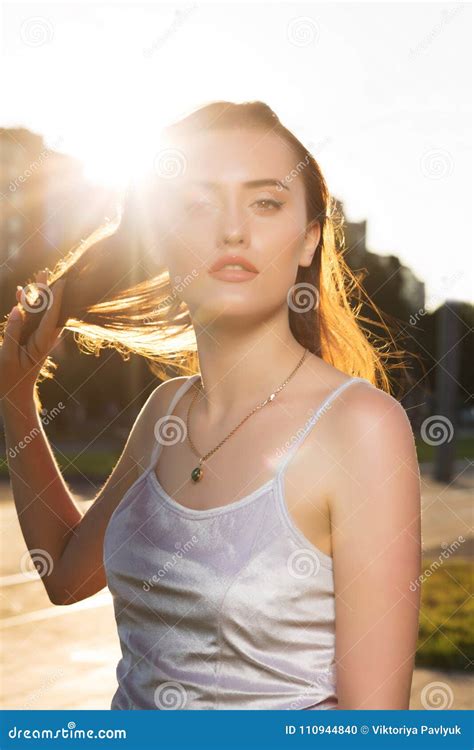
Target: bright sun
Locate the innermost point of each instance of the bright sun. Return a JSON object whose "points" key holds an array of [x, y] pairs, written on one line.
{"points": [[114, 162]]}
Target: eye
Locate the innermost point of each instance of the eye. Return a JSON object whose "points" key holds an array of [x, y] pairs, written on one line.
{"points": [[269, 204]]}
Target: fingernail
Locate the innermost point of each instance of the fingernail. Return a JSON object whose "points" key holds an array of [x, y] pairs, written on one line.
{"points": [[15, 313]]}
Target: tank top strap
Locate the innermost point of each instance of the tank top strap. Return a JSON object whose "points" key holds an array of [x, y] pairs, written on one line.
{"points": [[314, 418], [165, 431]]}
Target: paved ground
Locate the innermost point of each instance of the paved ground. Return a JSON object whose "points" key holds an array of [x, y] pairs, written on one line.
{"points": [[65, 657]]}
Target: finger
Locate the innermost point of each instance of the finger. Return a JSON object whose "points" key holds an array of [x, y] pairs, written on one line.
{"points": [[12, 332], [48, 329], [31, 360], [32, 350]]}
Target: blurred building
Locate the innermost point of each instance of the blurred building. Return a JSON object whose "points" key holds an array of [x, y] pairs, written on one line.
{"points": [[47, 207], [22, 185], [393, 286]]}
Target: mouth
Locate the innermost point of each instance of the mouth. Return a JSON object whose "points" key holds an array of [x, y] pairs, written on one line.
{"points": [[233, 274], [233, 268]]}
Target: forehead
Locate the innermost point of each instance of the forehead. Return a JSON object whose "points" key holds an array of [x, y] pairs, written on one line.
{"points": [[235, 156]]}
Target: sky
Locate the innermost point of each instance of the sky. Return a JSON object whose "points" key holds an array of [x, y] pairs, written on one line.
{"points": [[379, 92]]}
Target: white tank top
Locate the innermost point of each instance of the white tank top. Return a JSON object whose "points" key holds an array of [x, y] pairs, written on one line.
{"points": [[229, 607]]}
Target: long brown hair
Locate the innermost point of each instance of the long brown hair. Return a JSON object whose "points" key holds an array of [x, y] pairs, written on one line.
{"points": [[113, 299]]}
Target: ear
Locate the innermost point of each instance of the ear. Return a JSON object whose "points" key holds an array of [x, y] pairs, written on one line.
{"points": [[311, 241]]}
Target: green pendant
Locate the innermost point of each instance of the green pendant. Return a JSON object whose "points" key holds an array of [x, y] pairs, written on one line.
{"points": [[196, 474]]}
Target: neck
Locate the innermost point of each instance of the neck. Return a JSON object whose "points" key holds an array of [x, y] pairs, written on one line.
{"points": [[241, 367]]}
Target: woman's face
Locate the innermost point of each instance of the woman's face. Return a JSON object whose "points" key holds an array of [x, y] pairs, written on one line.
{"points": [[224, 201]]}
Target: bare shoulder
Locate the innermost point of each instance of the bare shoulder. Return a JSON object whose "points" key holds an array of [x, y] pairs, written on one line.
{"points": [[358, 408], [373, 415], [372, 437], [156, 405], [164, 392]]}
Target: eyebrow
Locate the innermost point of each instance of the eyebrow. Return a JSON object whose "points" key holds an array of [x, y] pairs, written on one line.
{"points": [[251, 183]]}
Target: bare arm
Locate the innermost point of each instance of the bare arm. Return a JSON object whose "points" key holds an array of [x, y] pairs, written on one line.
{"points": [[377, 553], [46, 511], [54, 528], [79, 570], [51, 521]]}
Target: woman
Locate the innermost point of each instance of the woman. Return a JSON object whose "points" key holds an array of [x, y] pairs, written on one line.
{"points": [[261, 528]]}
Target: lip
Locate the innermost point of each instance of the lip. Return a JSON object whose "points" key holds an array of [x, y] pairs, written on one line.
{"points": [[233, 274], [221, 262]]}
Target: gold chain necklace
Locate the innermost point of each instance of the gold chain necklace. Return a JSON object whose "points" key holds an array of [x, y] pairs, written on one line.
{"points": [[197, 472]]}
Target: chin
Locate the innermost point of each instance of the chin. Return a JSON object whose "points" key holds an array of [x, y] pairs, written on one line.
{"points": [[223, 307]]}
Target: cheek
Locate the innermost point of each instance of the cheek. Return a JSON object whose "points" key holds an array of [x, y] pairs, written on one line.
{"points": [[279, 245]]}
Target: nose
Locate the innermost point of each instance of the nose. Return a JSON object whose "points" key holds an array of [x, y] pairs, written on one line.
{"points": [[234, 230], [235, 238]]}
